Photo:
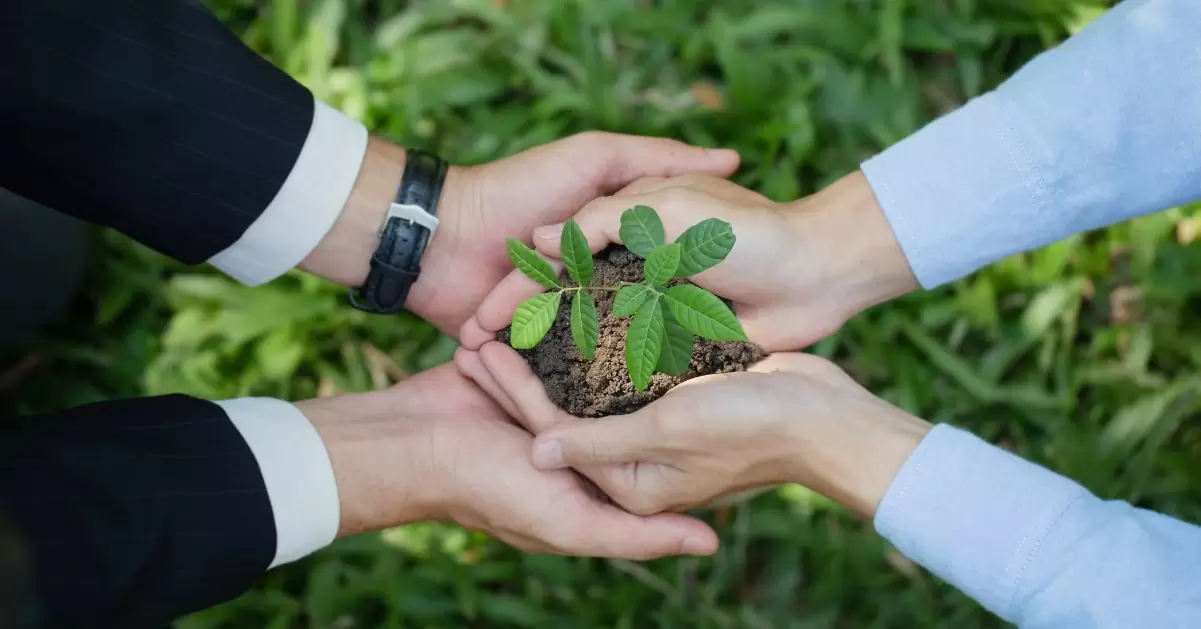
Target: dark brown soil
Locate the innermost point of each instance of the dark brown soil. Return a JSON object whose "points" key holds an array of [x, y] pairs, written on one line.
{"points": [[602, 387]]}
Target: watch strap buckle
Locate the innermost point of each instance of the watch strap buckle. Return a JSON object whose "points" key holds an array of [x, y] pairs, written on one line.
{"points": [[413, 214]]}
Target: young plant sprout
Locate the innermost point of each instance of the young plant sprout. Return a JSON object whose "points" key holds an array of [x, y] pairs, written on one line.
{"points": [[666, 318]]}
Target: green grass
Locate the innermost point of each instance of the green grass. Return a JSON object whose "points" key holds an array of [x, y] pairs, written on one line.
{"points": [[1085, 357]]}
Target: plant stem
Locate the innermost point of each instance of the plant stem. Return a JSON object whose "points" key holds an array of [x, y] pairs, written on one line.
{"points": [[573, 289]]}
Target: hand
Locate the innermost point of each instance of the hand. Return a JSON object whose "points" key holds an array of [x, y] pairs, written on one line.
{"points": [[481, 206], [791, 418], [435, 447], [797, 272]]}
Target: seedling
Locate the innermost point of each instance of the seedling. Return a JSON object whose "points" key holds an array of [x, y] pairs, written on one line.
{"points": [[666, 318]]}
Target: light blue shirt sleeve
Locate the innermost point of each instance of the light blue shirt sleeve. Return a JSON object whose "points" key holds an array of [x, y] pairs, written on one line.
{"points": [[1105, 127], [1035, 548]]}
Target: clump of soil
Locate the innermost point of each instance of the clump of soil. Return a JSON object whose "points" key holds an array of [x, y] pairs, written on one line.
{"points": [[602, 386]]}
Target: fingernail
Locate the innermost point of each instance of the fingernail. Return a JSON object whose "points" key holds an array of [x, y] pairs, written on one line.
{"points": [[549, 232], [548, 455], [694, 546]]}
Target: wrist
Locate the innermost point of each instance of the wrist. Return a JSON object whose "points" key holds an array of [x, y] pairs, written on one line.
{"points": [[856, 458], [381, 468], [440, 269], [344, 255], [843, 226]]}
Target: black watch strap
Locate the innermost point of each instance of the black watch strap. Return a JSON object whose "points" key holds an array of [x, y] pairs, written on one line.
{"points": [[407, 229]]}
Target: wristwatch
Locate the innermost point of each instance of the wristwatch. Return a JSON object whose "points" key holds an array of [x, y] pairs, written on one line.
{"points": [[408, 227]]}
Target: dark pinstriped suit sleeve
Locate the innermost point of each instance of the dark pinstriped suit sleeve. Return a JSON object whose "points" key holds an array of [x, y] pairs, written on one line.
{"points": [[134, 512], [148, 116]]}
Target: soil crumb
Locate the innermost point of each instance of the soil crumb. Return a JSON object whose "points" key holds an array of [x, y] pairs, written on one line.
{"points": [[602, 387]]}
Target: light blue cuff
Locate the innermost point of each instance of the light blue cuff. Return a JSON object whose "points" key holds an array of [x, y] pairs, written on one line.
{"points": [[1103, 128], [974, 514], [955, 192]]}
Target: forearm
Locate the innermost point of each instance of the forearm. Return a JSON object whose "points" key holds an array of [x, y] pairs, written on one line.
{"points": [[1032, 546], [153, 119], [1100, 129], [138, 511], [379, 446]]}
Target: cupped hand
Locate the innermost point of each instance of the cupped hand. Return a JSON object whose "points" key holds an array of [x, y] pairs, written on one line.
{"points": [[796, 273], [435, 447], [483, 205], [791, 418]]}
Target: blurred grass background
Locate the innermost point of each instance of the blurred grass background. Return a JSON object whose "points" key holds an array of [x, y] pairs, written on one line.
{"points": [[1085, 357]]}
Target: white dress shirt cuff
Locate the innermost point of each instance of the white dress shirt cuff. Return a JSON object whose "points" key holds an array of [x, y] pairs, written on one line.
{"points": [[974, 514], [296, 471], [307, 204], [960, 193]]}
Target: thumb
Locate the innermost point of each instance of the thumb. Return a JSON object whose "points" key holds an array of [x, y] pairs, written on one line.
{"points": [[599, 220], [620, 439]]}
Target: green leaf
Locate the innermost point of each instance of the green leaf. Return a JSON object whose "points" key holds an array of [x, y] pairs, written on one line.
{"points": [[703, 314], [584, 330], [644, 342], [641, 230], [577, 257], [704, 245], [630, 298], [661, 264], [677, 347], [534, 266], [533, 319]]}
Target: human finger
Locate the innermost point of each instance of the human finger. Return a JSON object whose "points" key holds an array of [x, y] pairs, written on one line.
{"points": [[470, 365], [589, 442], [512, 374], [496, 310]]}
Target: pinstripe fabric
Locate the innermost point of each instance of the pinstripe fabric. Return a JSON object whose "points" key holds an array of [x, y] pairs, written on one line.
{"points": [[148, 116], [135, 512]]}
